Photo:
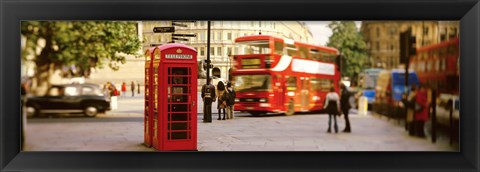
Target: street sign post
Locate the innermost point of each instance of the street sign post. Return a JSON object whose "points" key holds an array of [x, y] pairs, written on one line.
{"points": [[185, 35], [164, 29]]}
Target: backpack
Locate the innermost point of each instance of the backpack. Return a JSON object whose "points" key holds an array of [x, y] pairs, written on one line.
{"points": [[115, 92]]}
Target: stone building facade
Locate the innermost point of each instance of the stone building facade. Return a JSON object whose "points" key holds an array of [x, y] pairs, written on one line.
{"points": [[222, 37], [382, 38]]}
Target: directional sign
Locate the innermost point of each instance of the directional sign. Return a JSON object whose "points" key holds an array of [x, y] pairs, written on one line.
{"points": [[179, 39], [163, 29], [179, 25], [185, 35]]}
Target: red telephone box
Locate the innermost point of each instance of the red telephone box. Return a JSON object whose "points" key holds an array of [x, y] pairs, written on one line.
{"points": [[175, 124], [148, 120]]}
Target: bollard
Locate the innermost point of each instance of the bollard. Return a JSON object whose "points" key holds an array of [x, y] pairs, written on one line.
{"points": [[362, 105]]}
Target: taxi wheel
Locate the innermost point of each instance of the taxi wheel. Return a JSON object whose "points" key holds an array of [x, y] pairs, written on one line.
{"points": [[31, 111], [290, 108], [90, 111]]}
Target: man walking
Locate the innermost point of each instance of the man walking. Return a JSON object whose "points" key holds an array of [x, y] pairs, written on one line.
{"points": [[345, 106], [132, 87]]}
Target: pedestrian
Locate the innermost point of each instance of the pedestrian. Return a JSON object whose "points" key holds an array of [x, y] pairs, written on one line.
{"points": [[332, 103], [410, 106], [421, 111], [124, 89], [345, 106], [231, 101], [132, 87], [208, 97], [221, 101], [138, 88], [113, 96]]}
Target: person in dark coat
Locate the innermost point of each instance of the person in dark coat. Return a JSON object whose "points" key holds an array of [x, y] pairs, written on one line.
{"points": [[208, 97], [345, 106], [332, 103], [132, 87]]}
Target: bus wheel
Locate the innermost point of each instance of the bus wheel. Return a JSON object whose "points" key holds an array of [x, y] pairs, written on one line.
{"points": [[290, 109]]}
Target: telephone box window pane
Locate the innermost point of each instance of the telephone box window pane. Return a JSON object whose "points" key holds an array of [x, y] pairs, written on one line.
{"points": [[177, 135], [178, 126], [178, 117], [179, 108]]}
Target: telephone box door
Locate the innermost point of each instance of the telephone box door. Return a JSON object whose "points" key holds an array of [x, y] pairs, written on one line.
{"points": [[180, 124]]}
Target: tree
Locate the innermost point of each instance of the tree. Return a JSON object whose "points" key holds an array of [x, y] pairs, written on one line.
{"points": [[348, 40], [77, 47]]}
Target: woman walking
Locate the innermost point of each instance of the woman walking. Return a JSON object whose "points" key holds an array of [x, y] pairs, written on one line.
{"points": [[222, 103], [332, 103]]}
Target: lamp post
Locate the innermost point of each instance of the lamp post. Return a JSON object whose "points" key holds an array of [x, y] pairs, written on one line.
{"points": [[229, 54]]}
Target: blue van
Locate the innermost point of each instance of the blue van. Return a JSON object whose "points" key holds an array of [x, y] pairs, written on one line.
{"points": [[390, 88]]}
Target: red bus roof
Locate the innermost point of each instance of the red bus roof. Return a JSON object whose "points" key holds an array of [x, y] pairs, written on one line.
{"points": [[267, 37], [439, 45]]}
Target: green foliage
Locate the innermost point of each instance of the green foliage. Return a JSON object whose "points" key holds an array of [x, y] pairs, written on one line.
{"points": [[80, 44], [348, 40]]}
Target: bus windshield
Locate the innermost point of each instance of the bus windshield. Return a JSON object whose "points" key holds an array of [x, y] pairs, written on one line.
{"points": [[244, 83], [253, 47]]}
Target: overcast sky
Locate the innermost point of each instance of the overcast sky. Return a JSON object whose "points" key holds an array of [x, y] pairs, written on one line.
{"points": [[321, 32]]}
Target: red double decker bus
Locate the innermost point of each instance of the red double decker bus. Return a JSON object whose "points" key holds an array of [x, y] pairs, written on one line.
{"points": [[437, 67], [273, 74]]}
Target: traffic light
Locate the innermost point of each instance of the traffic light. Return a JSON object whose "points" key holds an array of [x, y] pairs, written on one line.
{"points": [[412, 45], [205, 62], [407, 46]]}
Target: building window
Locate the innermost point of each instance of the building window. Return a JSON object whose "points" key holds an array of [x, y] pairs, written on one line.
{"points": [[378, 32], [212, 51], [425, 30], [219, 51], [229, 36], [202, 36], [378, 46], [219, 36], [202, 51]]}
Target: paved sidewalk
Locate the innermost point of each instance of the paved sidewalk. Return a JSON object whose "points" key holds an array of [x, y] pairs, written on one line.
{"points": [[305, 132]]}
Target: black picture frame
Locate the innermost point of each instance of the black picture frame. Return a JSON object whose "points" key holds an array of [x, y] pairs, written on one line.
{"points": [[12, 12]]}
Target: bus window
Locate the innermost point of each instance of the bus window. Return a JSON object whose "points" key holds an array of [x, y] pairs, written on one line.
{"points": [[321, 84], [443, 52], [291, 83], [452, 50], [423, 56], [314, 54], [292, 50], [255, 47], [303, 52], [252, 83], [328, 57], [278, 47]]}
